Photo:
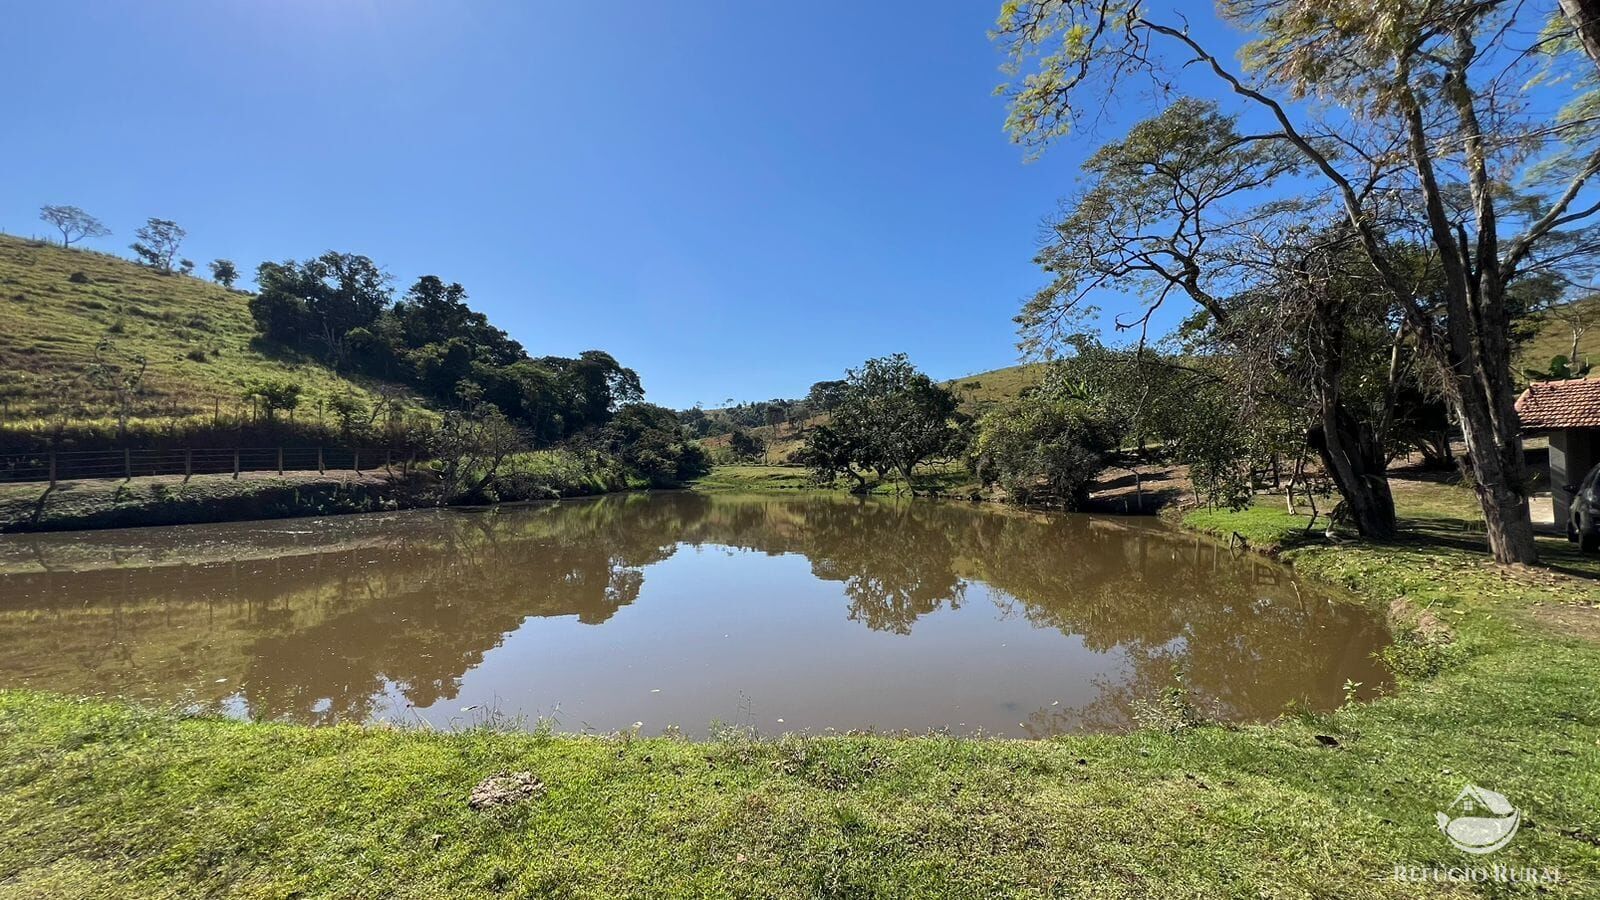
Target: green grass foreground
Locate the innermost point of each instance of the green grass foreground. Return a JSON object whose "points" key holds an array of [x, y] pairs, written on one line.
{"points": [[102, 799]]}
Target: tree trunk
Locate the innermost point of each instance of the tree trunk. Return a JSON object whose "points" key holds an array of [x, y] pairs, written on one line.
{"points": [[905, 473], [860, 479], [1354, 459], [1585, 17], [1494, 453]]}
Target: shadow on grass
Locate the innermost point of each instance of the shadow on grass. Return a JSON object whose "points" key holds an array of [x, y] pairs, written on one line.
{"points": [[1465, 536]]}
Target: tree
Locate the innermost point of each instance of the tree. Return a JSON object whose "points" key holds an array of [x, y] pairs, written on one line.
{"points": [[434, 312], [1184, 206], [895, 418], [158, 242], [224, 272], [122, 378], [1579, 317], [471, 444], [185, 267], [1584, 16], [319, 302], [337, 305], [348, 410], [1318, 331], [74, 223], [825, 396], [829, 453], [1412, 117], [1046, 446], [744, 445], [649, 440], [275, 394]]}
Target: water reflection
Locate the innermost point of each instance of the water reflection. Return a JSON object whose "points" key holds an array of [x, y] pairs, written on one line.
{"points": [[677, 608]]}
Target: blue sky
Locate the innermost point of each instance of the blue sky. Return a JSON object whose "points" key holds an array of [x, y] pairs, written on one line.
{"points": [[736, 199]]}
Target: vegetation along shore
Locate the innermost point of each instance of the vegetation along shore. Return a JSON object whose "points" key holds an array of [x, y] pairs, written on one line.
{"points": [[1263, 561], [1495, 672]]}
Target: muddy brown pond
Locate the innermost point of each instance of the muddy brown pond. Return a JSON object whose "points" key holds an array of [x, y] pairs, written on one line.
{"points": [[677, 609]]}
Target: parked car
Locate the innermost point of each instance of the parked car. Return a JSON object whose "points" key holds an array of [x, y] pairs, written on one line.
{"points": [[1583, 518]]}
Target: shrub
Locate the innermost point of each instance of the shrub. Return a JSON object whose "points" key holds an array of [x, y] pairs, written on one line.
{"points": [[1045, 447]]}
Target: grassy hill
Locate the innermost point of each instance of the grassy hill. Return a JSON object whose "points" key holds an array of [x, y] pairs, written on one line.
{"points": [[1555, 334], [996, 386], [57, 305]]}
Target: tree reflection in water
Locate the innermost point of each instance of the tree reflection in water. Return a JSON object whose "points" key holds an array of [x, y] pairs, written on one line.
{"points": [[346, 618]]}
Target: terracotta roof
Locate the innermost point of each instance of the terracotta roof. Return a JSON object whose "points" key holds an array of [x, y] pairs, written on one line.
{"points": [[1560, 404]]}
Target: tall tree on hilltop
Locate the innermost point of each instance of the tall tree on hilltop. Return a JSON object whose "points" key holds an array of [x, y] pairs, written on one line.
{"points": [[224, 272], [158, 243], [321, 300], [73, 223]]}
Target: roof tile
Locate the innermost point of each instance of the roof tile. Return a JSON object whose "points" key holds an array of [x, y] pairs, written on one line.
{"points": [[1560, 404]]}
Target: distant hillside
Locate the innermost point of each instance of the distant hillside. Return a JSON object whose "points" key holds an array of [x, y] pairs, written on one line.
{"points": [[783, 440], [57, 305], [996, 386], [1555, 334]]}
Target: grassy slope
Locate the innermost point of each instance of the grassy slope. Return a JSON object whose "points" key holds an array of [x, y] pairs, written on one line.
{"points": [[997, 386], [1555, 337], [50, 325], [99, 798]]}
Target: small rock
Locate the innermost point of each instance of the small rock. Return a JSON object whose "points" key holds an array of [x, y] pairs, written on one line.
{"points": [[505, 789], [1327, 740]]}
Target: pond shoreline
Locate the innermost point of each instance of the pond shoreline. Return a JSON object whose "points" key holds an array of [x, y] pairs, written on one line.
{"points": [[145, 501], [103, 793]]}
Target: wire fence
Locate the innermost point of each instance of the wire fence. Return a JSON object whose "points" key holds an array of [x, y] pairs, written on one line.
{"points": [[52, 466]]}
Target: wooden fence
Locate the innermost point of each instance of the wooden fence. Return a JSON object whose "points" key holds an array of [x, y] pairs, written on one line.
{"points": [[52, 466]]}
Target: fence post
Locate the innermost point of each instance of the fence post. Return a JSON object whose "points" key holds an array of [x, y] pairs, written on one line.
{"points": [[356, 457], [280, 460], [127, 462], [388, 459], [52, 467], [188, 463], [236, 464]]}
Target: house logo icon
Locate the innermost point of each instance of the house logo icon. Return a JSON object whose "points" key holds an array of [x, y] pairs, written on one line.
{"points": [[1479, 821]]}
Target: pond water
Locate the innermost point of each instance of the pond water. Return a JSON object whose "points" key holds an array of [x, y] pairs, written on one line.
{"points": [[773, 613]]}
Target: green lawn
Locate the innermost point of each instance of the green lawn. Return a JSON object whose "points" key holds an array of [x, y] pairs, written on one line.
{"points": [[948, 479], [98, 798], [756, 479]]}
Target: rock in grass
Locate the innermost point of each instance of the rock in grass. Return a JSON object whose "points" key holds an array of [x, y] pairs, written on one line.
{"points": [[505, 789]]}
